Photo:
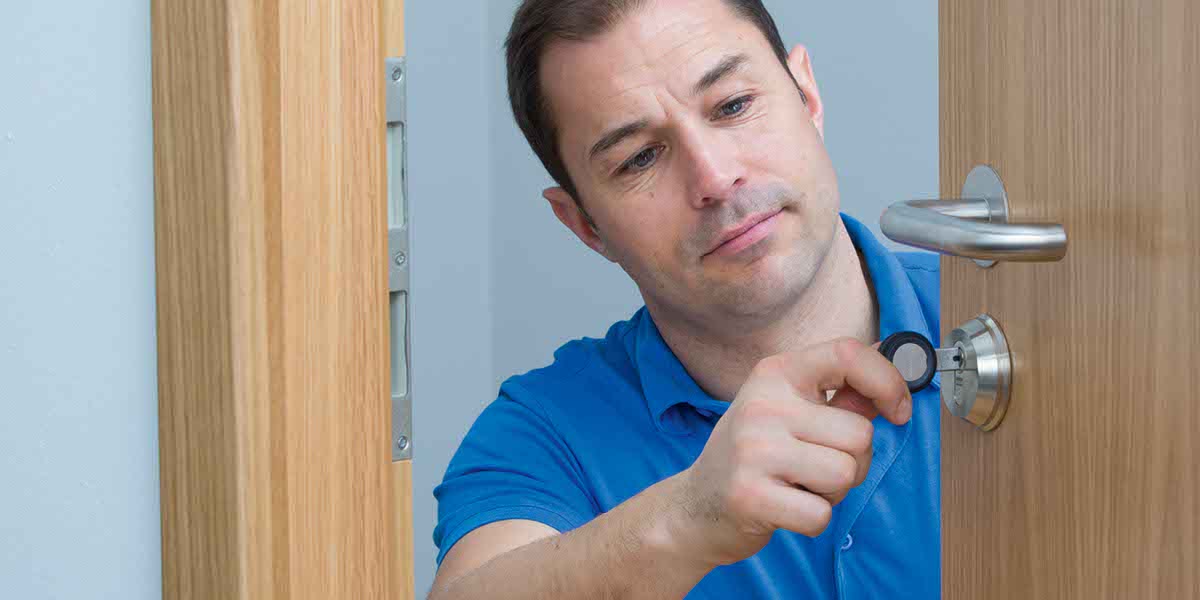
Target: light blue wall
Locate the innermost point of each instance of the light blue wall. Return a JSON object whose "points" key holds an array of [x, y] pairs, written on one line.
{"points": [[451, 205], [79, 510]]}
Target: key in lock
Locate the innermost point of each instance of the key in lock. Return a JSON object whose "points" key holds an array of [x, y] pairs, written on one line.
{"points": [[976, 369]]}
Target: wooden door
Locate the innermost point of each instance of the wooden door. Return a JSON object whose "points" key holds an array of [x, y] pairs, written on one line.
{"points": [[1090, 112], [274, 406]]}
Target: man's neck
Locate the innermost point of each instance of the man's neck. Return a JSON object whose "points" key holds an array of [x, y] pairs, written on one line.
{"points": [[839, 302]]}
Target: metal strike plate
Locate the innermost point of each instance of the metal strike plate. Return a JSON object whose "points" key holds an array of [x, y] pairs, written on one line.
{"points": [[979, 392], [396, 100], [399, 260]]}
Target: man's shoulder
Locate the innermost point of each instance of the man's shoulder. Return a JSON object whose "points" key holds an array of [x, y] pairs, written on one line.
{"points": [[583, 366]]}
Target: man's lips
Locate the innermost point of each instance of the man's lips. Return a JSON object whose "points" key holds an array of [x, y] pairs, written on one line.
{"points": [[749, 232]]}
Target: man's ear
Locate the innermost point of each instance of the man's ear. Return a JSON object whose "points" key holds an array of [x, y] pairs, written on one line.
{"points": [[800, 64], [571, 215]]}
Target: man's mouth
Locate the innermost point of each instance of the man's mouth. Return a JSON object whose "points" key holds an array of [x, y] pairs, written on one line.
{"points": [[750, 231]]}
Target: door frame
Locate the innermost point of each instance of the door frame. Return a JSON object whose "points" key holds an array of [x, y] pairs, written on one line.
{"points": [[272, 296]]}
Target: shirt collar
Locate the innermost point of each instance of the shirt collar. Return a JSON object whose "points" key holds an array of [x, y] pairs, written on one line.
{"points": [[666, 384]]}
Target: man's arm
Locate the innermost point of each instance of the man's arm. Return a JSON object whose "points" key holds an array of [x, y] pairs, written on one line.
{"points": [[779, 458], [627, 552]]}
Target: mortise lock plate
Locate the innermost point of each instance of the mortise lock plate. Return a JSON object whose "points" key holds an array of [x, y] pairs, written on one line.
{"points": [[399, 258]]}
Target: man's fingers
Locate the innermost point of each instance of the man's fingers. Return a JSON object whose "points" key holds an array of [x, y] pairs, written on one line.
{"points": [[819, 469], [838, 429], [840, 363], [849, 399], [832, 427], [795, 509]]}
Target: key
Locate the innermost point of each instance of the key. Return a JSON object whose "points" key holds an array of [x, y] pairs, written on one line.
{"points": [[918, 360]]}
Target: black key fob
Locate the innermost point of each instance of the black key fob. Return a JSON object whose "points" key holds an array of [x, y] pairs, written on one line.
{"points": [[914, 356]]}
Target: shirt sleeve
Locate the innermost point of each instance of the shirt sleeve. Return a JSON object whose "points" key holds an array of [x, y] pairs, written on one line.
{"points": [[512, 464]]}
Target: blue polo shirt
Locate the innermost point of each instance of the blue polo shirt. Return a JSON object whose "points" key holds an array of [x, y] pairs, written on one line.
{"points": [[613, 416]]}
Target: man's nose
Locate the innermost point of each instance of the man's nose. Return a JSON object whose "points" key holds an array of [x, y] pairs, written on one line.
{"points": [[715, 167]]}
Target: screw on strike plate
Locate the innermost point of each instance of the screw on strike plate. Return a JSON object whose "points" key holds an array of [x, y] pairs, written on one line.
{"points": [[400, 259], [397, 73], [402, 442]]}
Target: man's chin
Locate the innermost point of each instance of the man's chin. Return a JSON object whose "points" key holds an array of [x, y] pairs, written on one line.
{"points": [[758, 293]]}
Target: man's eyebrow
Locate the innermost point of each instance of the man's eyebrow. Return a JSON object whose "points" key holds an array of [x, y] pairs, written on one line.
{"points": [[728, 65], [616, 136]]}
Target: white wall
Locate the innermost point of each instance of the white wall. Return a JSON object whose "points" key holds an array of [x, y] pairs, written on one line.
{"points": [[79, 511]]}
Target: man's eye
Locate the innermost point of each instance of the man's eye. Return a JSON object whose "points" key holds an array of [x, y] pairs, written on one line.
{"points": [[640, 161], [734, 107]]}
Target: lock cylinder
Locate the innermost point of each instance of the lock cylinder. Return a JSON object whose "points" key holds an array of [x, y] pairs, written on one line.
{"points": [[979, 392]]}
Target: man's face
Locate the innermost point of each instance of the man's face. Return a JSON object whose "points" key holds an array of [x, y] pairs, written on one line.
{"points": [[701, 167]]}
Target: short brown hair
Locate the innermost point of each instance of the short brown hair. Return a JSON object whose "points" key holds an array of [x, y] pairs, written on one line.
{"points": [[538, 23]]}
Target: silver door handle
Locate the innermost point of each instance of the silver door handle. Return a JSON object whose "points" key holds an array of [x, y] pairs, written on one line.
{"points": [[974, 226]]}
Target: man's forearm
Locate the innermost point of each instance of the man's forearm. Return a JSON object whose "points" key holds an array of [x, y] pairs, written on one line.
{"points": [[632, 551]]}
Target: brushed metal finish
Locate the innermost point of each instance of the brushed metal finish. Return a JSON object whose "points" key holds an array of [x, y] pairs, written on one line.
{"points": [[979, 392], [399, 257], [948, 359], [975, 226]]}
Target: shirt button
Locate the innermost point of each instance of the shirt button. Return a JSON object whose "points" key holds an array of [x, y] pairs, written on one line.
{"points": [[849, 542]]}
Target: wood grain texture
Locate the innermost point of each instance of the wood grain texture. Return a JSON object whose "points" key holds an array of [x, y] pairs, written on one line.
{"points": [[272, 300], [1090, 487], [402, 480], [393, 27]]}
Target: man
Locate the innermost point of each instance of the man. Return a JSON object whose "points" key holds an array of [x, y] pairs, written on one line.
{"points": [[739, 435]]}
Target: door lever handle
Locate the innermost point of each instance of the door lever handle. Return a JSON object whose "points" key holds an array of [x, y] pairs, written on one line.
{"points": [[975, 226]]}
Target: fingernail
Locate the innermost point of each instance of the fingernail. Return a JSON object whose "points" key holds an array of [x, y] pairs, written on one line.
{"points": [[906, 407]]}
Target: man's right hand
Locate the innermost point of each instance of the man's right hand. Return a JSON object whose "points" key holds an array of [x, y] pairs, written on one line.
{"points": [[781, 457]]}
